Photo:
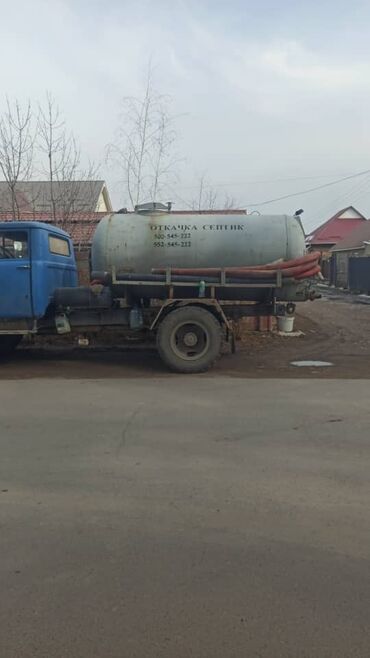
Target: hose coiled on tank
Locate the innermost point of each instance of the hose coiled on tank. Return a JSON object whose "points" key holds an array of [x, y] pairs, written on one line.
{"points": [[297, 268]]}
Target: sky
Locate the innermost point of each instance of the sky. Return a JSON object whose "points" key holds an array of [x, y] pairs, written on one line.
{"points": [[271, 97]]}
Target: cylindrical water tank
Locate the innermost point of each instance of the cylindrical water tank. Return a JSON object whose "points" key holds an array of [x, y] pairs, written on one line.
{"points": [[136, 242]]}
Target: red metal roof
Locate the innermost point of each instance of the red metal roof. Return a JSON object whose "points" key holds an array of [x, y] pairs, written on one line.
{"points": [[336, 228], [356, 238]]}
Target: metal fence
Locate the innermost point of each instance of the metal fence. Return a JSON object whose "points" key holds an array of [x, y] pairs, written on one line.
{"points": [[359, 274]]}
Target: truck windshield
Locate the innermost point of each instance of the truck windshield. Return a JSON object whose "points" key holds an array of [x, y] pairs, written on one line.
{"points": [[13, 244]]}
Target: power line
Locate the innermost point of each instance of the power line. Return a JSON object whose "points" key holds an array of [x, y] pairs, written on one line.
{"points": [[311, 189], [256, 182], [354, 191], [360, 193], [349, 195], [179, 198]]}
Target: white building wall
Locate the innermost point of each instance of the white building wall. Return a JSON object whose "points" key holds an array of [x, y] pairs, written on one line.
{"points": [[101, 206], [350, 214]]}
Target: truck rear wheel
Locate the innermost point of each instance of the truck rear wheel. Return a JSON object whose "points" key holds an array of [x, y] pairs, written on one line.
{"points": [[8, 343], [189, 339]]}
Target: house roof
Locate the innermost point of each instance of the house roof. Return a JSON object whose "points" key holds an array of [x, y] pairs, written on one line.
{"points": [[80, 227], [225, 211], [356, 239], [35, 196], [336, 228], [26, 224]]}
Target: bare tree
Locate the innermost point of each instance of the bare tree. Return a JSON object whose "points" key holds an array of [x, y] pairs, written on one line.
{"points": [[163, 162], [63, 166], [16, 148], [229, 202], [197, 203], [143, 148], [207, 197], [51, 132], [210, 198]]}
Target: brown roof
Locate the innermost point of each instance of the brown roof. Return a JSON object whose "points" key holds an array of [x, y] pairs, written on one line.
{"points": [[356, 239], [226, 211], [80, 226], [35, 196]]}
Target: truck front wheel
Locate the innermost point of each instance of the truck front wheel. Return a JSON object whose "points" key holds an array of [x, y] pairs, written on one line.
{"points": [[189, 339], [8, 343]]}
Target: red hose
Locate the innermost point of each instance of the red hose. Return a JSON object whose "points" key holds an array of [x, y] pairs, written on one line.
{"points": [[294, 262], [305, 275], [298, 268]]}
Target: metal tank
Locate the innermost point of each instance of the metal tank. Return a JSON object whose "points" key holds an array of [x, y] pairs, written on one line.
{"points": [[138, 242]]}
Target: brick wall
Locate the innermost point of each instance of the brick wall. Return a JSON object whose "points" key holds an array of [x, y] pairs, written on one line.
{"points": [[264, 323], [83, 267]]}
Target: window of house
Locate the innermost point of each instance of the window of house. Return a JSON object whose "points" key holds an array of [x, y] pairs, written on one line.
{"points": [[59, 246], [13, 244]]}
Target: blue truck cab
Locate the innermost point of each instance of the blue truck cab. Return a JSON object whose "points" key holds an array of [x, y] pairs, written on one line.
{"points": [[35, 259]]}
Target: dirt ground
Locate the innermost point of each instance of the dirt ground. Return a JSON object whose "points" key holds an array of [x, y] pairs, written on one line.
{"points": [[335, 328]]}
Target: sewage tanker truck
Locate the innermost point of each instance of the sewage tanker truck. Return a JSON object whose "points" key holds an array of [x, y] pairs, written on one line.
{"points": [[182, 277]]}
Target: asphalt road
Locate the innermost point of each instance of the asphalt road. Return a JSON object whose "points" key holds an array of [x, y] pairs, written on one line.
{"points": [[179, 517]]}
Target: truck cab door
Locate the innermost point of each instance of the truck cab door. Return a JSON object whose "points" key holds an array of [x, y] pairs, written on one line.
{"points": [[15, 274]]}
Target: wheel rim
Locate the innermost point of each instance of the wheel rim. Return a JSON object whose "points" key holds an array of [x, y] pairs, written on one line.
{"points": [[190, 340]]}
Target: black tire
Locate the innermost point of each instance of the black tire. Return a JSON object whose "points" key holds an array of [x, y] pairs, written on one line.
{"points": [[8, 343], [189, 339]]}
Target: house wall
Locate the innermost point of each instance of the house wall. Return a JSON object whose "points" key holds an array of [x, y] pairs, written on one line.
{"points": [[324, 248], [340, 265], [101, 206], [341, 268], [326, 265], [351, 213]]}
